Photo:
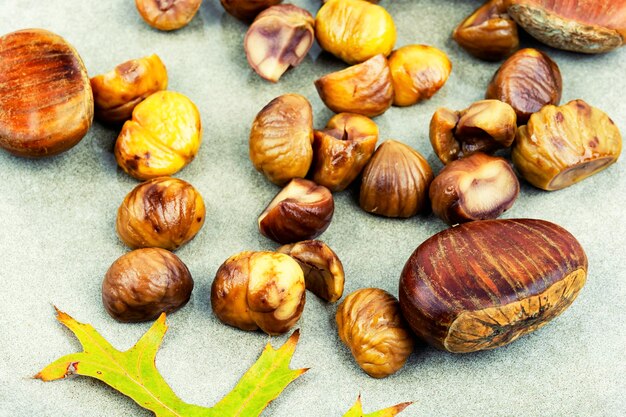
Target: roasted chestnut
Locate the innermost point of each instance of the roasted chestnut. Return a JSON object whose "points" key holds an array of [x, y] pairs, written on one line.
{"points": [[247, 10], [167, 14]]}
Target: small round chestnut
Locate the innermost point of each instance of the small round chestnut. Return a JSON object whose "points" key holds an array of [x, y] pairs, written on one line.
{"points": [[168, 14], [144, 283]]}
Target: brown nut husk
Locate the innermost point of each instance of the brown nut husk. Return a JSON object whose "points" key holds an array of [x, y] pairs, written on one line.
{"points": [[46, 103], [370, 323], [563, 145], [323, 271], [167, 14], [259, 290], [278, 39], [364, 89], [343, 149], [247, 10], [418, 72], [117, 92], [281, 137], [164, 212], [489, 33], [478, 187], [302, 210], [144, 283], [482, 285], [527, 81], [395, 181]]}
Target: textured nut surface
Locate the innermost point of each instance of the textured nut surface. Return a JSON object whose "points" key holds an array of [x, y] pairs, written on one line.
{"points": [[478, 187], [259, 290], [46, 103], [370, 323], [488, 33], [167, 14], [442, 127], [247, 10], [302, 210], [563, 145], [342, 150], [144, 283], [117, 92], [483, 284], [527, 81], [417, 73], [364, 88], [354, 30], [323, 271], [279, 38], [281, 137], [163, 136], [163, 212], [395, 181]]}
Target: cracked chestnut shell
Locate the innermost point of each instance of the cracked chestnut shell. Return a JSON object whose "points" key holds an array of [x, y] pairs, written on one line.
{"points": [[482, 285], [167, 14], [370, 324], [46, 102], [563, 145], [527, 81], [247, 10], [144, 283], [259, 290]]}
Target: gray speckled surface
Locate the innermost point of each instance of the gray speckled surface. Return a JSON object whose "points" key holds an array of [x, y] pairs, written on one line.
{"points": [[58, 238]]}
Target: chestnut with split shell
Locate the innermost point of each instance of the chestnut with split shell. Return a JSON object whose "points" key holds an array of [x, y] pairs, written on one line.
{"points": [[168, 14]]}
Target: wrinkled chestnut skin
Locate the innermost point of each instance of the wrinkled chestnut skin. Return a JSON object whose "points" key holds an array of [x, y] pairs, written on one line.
{"points": [[563, 145], [527, 81], [302, 210], [488, 33], [370, 323], [281, 137], [167, 14], [442, 127], [144, 283], [163, 212], [478, 187], [342, 150], [247, 10], [259, 290], [46, 102], [395, 181], [482, 285]]}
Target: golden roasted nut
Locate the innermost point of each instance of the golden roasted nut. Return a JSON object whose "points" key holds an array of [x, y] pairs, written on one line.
{"points": [[442, 127], [302, 210], [369, 322], [163, 136], [167, 14], [144, 283], [278, 39], [247, 10], [563, 145], [259, 290], [323, 271], [281, 137], [354, 30], [395, 181], [342, 150], [117, 92], [528, 80], [478, 187], [364, 89], [417, 73], [46, 104], [488, 33], [164, 212]]}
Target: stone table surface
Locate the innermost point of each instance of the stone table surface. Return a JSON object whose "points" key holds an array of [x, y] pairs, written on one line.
{"points": [[57, 236]]}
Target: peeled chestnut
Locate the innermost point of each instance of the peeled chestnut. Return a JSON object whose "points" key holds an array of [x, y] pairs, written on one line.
{"points": [[482, 285], [117, 92], [527, 81], [395, 181], [46, 103], [563, 145], [281, 137], [144, 283], [370, 323], [478, 187], [163, 212], [259, 290], [247, 10], [167, 14], [302, 210]]}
